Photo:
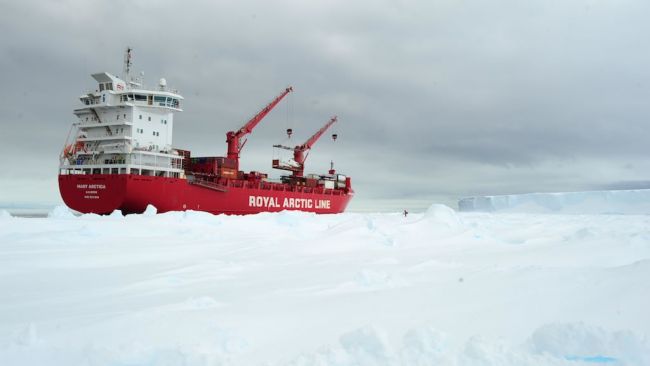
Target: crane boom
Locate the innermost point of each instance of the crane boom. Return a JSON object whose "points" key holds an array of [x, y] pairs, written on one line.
{"points": [[297, 167], [312, 140], [233, 138]]}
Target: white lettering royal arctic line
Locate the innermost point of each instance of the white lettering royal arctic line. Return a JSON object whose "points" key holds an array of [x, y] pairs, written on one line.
{"points": [[298, 203], [261, 201]]}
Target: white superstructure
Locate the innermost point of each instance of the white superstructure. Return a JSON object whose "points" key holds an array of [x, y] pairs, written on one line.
{"points": [[124, 128]]}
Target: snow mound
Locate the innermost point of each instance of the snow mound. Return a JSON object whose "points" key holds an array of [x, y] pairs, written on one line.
{"points": [[367, 345], [61, 212], [116, 214], [364, 346], [151, 210], [561, 345], [444, 215], [581, 342], [591, 202], [189, 216], [4, 214], [424, 346]]}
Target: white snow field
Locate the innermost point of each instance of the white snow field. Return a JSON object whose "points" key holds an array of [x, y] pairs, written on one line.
{"points": [[595, 202], [437, 288]]}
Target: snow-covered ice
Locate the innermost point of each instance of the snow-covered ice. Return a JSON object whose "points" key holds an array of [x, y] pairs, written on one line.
{"points": [[594, 202], [436, 288]]}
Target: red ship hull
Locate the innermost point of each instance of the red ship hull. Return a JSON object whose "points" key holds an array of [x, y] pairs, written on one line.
{"points": [[104, 193]]}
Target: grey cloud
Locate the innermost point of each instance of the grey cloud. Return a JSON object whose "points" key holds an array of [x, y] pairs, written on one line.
{"points": [[435, 99]]}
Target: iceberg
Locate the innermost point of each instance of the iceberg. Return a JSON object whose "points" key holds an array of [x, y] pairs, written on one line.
{"points": [[588, 202]]}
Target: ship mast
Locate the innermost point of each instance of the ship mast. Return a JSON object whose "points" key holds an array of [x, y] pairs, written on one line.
{"points": [[127, 65]]}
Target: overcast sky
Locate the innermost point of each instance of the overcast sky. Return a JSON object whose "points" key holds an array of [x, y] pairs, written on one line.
{"points": [[436, 99]]}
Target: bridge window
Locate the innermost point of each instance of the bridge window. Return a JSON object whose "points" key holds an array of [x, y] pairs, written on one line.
{"points": [[159, 100], [140, 97]]}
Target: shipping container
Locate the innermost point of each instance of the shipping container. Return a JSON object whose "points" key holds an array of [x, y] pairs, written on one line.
{"points": [[329, 184], [228, 173]]}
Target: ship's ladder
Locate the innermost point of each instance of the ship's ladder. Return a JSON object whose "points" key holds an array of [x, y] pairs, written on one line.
{"points": [[108, 129]]}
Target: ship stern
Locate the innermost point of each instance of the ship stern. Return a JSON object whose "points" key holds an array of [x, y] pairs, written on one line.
{"points": [[93, 193]]}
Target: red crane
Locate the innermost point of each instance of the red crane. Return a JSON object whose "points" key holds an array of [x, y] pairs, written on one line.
{"points": [[233, 138], [299, 156]]}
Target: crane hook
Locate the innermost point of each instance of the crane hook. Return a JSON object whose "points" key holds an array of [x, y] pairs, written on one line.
{"points": [[334, 136], [289, 132]]}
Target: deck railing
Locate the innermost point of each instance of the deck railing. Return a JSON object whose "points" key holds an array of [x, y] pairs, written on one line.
{"points": [[126, 159]]}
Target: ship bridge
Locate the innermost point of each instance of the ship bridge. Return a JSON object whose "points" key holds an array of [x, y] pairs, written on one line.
{"points": [[112, 90], [124, 127], [109, 82]]}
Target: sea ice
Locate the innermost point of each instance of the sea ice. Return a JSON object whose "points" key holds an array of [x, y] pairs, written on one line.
{"points": [[291, 288]]}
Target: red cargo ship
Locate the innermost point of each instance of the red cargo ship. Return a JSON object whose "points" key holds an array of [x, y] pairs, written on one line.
{"points": [[120, 157]]}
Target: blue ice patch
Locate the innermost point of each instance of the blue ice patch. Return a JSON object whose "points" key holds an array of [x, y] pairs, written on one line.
{"points": [[594, 359]]}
